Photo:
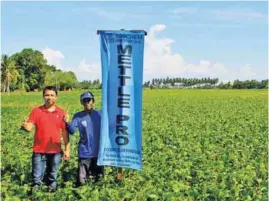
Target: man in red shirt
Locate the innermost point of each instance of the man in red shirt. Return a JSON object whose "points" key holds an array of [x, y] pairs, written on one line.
{"points": [[49, 126]]}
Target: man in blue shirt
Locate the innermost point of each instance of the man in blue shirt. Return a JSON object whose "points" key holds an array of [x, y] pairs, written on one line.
{"points": [[88, 122]]}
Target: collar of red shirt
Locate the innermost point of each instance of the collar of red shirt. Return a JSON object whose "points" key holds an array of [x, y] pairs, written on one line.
{"points": [[44, 109]]}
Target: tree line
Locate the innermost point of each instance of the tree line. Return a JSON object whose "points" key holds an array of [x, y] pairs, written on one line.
{"points": [[28, 70], [204, 83]]}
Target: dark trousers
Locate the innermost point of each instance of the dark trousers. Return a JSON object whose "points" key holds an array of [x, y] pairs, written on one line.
{"points": [[42, 162], [88, 167]]}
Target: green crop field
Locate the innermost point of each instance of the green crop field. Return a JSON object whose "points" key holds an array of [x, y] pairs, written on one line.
{"points": [[197, 145]]}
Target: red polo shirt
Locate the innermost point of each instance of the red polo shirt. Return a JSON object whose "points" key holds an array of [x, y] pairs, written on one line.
{"points": [[49, 127]]}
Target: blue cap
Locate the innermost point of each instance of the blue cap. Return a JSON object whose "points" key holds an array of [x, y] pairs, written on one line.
{"points": [[86, 95]]}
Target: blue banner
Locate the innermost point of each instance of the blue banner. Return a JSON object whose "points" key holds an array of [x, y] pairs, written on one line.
{"points": [[122, 84]]}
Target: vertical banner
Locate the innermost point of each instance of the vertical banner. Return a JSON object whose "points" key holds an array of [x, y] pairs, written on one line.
{"points": [[122, 84]]}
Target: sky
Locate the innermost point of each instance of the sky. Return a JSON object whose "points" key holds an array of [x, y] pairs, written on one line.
{"points": [[225, 40]]}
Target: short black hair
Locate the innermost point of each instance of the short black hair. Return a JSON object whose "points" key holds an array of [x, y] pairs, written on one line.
{"points": [[52, 88]]}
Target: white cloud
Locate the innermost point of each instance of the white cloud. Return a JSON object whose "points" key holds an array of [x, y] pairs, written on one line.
{"points": [[87, 71], [54, 57], [84, 70], [239, 14], [246, 72], [140, 13], [156, 27], [159, 62], [205, 68], [184, 11]]}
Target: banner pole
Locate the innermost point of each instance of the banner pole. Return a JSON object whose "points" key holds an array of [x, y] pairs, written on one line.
{"points": [[119, 174]]}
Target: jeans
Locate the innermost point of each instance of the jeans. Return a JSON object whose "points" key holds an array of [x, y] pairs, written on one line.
{"points": [[88, 167], [50, 162]]}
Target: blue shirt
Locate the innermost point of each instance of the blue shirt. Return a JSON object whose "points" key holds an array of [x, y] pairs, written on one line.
{"points": [[89, 125]]}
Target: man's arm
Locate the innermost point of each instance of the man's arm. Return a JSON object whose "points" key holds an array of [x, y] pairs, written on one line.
{"points": [[71, 126], [67, 144], [27, 126]]}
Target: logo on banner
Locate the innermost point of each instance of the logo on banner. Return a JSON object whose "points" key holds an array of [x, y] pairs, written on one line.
{"points": [[124, 62]]}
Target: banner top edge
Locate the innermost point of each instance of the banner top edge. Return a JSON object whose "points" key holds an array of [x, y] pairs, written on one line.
{"points": [[99, 31]]}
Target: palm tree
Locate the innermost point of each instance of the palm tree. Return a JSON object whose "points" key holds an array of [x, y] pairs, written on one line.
{"points": [[9, 72]]}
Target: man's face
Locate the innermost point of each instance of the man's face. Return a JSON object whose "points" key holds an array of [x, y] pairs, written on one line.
{"points": [[87, 103], [49, 97]]}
